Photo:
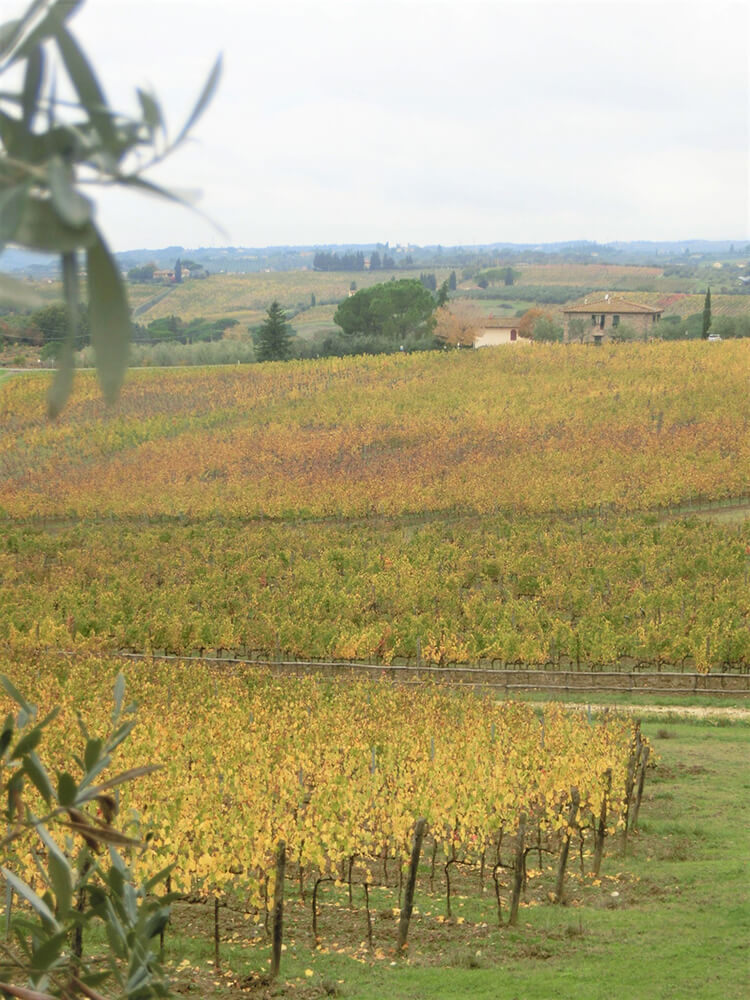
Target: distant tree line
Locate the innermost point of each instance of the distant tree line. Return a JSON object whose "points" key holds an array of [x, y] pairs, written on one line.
{"points": [[173, 328], [692, 327], [52, 323], [355, 261], [495, 275], [142, 272], [325, 261], [173, 353], [386, 262], [729, 327]]}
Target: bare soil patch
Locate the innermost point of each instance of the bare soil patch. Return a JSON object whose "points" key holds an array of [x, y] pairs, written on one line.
{"points": [[729, 714]]}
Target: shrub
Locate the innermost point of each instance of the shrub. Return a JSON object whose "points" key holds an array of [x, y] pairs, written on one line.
{"points": [[174, 354], [626, 332], [545, 329]]}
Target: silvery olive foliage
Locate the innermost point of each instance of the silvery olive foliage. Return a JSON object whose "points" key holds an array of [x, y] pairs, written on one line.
{"points": [[51, 150], [84, 877]]}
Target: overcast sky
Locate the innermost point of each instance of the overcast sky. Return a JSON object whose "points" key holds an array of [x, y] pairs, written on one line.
{"points": [[430, 122]]}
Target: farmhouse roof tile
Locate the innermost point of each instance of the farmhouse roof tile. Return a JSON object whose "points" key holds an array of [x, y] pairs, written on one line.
{"points": [[611, 304]]}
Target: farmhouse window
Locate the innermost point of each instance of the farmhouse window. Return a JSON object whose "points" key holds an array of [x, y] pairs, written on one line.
{"points": [[593, 319], [615, 321], [601, 322]]}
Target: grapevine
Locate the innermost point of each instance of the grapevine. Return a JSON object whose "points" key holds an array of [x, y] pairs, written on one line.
{"points": [[340, 774]]}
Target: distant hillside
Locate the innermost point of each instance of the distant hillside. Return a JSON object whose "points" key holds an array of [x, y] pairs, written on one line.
{"points": [[240, 260]]}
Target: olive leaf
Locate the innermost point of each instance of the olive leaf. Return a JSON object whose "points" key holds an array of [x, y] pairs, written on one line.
{"points": [[42, 170]]}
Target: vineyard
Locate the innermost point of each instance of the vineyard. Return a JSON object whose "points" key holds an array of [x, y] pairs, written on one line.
{"points": [[555, 429], [377, 509], [501, 590], [248, 763], [678, 303], [494, 508], [604, 276]]}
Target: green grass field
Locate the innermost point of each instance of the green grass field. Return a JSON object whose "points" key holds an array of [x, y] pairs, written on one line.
{"points": [[668, 920]]}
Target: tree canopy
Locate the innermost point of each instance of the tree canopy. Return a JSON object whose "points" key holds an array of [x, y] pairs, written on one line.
{"points": [[457, 327], [274, 336], [53, 322], [706, 315], [545, 329], [529, 320], [397, 310], [143, 272]]}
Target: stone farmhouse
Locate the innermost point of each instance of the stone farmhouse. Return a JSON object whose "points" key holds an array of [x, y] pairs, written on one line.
{"points": [[499, 330], [602, 316]]}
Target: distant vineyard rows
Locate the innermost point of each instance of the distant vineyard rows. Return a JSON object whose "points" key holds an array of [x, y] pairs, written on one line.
{"points": [[550, 429], [519, 590], [367, 508]]}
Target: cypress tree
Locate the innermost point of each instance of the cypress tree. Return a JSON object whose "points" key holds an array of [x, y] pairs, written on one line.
{"points": [[707, 315], [274, 336]]}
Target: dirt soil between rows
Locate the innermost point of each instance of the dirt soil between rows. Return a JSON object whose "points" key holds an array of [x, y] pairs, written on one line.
{"points": [[717, 712]]}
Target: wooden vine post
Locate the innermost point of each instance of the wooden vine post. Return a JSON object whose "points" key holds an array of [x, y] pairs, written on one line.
{"points": [[217, 957], [633, 761], [447, 871], [575, 799], [601, 828], [518, 866], [316, 887], [498, 899], [161, 932], [411, 881], [369, 916], [641, 779], [277, 922]]}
